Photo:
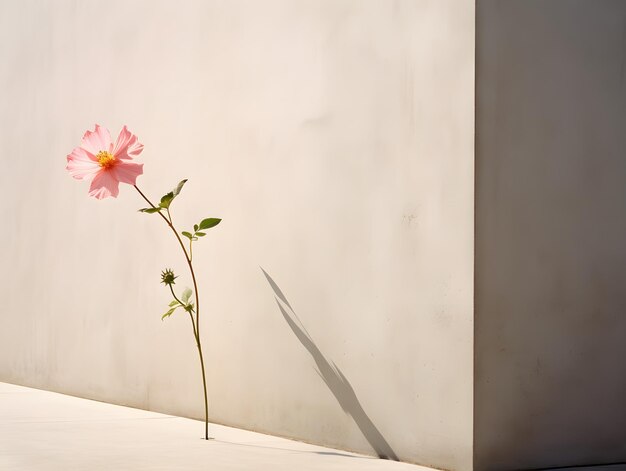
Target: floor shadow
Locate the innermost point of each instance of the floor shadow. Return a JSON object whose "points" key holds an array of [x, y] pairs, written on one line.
{"points": [[325, 453], [334, 378]]}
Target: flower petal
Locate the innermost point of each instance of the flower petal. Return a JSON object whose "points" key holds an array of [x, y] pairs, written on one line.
{"points": [[81, 164], [127, 146], [95, 141], [104, 185], [127, 172]]}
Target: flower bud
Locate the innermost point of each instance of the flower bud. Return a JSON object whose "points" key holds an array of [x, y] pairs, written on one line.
{"points": [[167, 277]]}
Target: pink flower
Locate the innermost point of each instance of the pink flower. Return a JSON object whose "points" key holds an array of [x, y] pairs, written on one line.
{"points": [[106, 164]]}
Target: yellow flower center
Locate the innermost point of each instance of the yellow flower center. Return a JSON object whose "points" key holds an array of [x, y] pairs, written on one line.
{"points": [[105, 159]]}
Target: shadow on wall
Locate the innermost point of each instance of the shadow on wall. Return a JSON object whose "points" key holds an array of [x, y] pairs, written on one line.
{"points": [[334, 378]]}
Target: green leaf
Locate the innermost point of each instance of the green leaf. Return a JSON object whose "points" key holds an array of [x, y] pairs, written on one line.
{"points": [[186, 295], [187, 234], [209, 223], [200, 234], [149, 210], [194, 238], [168, 313], [166, 200], [174, 303], [195, 228], [179, 187]]}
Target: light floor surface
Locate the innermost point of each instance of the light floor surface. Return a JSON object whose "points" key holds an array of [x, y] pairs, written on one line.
{"points": [[46, 431]]}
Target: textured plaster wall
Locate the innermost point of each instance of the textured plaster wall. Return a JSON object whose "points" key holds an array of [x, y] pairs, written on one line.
{"points": [[550, 252], [335, 139]]}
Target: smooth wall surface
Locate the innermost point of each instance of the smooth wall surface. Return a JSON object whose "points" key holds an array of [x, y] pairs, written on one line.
{"points": [[550, 253], [334, 138]]}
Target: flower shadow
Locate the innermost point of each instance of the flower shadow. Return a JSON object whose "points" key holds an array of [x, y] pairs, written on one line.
{"points": [[334, 378]]}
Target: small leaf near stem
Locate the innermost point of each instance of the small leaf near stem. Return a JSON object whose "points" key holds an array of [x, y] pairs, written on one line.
{"points": [[166, 200], [209, 223], [169, 313], [197, 231], [186, 295], [179, 187]]}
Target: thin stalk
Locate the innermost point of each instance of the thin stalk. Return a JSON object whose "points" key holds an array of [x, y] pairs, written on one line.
{"points": [[176, 297], [196, 326], [193, 326]]}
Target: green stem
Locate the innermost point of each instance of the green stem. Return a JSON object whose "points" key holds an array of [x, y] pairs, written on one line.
{"points": [[196, 325], [193, 326], [176, 297]]}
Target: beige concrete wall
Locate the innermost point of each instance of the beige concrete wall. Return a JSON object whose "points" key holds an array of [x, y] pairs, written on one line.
{"points": [[550, 253], [335, 139]]}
